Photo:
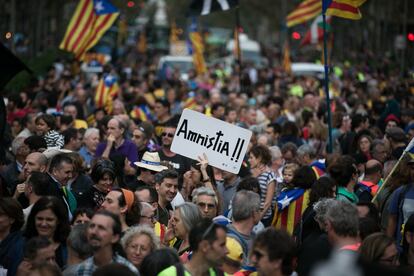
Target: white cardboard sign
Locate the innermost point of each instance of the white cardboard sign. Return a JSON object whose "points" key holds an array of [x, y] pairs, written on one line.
{"points": [[224, 144]]}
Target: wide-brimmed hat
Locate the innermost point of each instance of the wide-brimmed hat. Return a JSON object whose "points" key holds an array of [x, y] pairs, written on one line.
{"points": [[151, 161]]}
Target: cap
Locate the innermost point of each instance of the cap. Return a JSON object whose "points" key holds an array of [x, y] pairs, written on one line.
{"points": [[147, 128], [392, 117], [396, 133], [235, 250]]}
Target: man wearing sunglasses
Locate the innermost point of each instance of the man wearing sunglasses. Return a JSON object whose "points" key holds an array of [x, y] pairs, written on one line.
{"points": [[208, 244], [177, 161], [207, 201]]}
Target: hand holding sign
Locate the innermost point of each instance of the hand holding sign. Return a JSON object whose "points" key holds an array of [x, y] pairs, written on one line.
{"points": [[203, 162]]}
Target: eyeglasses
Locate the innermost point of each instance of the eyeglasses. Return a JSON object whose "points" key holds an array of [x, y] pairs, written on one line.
{"points": [[204, 205], [137, 247], [152, 218], [171, 135]]}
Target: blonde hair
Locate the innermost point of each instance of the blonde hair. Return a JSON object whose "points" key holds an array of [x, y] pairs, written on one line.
{"points": [[291, 167]]}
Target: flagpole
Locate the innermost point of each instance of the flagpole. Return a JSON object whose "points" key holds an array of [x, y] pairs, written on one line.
{"points": [[237, 41], [326, 83]]}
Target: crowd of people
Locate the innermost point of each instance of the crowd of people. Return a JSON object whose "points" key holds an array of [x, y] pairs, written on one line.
{"points": [[94, 189]]}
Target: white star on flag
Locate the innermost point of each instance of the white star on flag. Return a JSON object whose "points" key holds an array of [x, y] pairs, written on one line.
{"points": [[285, 202], [99, 6]]}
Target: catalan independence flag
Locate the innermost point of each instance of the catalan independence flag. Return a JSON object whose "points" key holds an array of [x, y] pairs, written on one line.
{"points": [[343, 8], [306, 10], [410, 148], [106, 90], [291, 204], [91, 20], [318, 168], [141, 112], [197, 49], [190, 102]]}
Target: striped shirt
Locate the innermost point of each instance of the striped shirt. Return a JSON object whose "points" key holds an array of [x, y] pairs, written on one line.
{"points": [[264, 180], [54, 139]]}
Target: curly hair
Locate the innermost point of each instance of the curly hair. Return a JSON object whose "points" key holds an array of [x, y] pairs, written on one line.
{"points": [[139, 230]]}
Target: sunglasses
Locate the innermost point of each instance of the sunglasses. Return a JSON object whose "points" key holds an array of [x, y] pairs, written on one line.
{"points": [[146, 170], [171, 135]]}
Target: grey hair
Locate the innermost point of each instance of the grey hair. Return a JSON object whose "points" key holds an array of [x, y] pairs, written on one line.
{"points": [[276, 153], [144, 206], [78, 241], [136, 231], [343, 217], [321, 207], [190, 214], [306, 149], [244, 204], [375, 143], [204, 191], [90, 131], [17, 143]]}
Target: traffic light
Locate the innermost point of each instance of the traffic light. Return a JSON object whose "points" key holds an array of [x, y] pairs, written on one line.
{"points": [[410, 37], [296, 35]]}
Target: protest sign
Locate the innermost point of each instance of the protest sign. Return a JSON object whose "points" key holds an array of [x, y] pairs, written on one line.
{"points": [[224, 144]]}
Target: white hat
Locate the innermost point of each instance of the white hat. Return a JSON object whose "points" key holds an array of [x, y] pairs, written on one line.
{"points": [[151, 161]]}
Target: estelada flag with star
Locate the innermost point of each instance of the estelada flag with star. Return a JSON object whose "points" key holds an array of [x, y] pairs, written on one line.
{"points": [[291, 203], [91, 20], [106, 90]]}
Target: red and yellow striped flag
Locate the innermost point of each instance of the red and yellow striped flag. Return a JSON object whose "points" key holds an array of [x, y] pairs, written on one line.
{"points": [[287, 64], [142, 112], [198, 49], [307, 10], [345, 8], [289, 217], [91, 20], [106, 90], [142, 43]]}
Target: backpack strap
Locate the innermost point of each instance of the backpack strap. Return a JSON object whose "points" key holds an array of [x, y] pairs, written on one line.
{"points": [[179, 269]]}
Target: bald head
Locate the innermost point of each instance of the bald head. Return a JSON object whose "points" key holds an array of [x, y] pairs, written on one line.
{"points": [[373, 170], [35, 161]]}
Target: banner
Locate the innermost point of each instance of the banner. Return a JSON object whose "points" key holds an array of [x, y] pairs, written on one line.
{"points": [[224, 144]]}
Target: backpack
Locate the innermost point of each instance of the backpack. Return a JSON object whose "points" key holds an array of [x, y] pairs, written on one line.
{"points": [[233, 234]]}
